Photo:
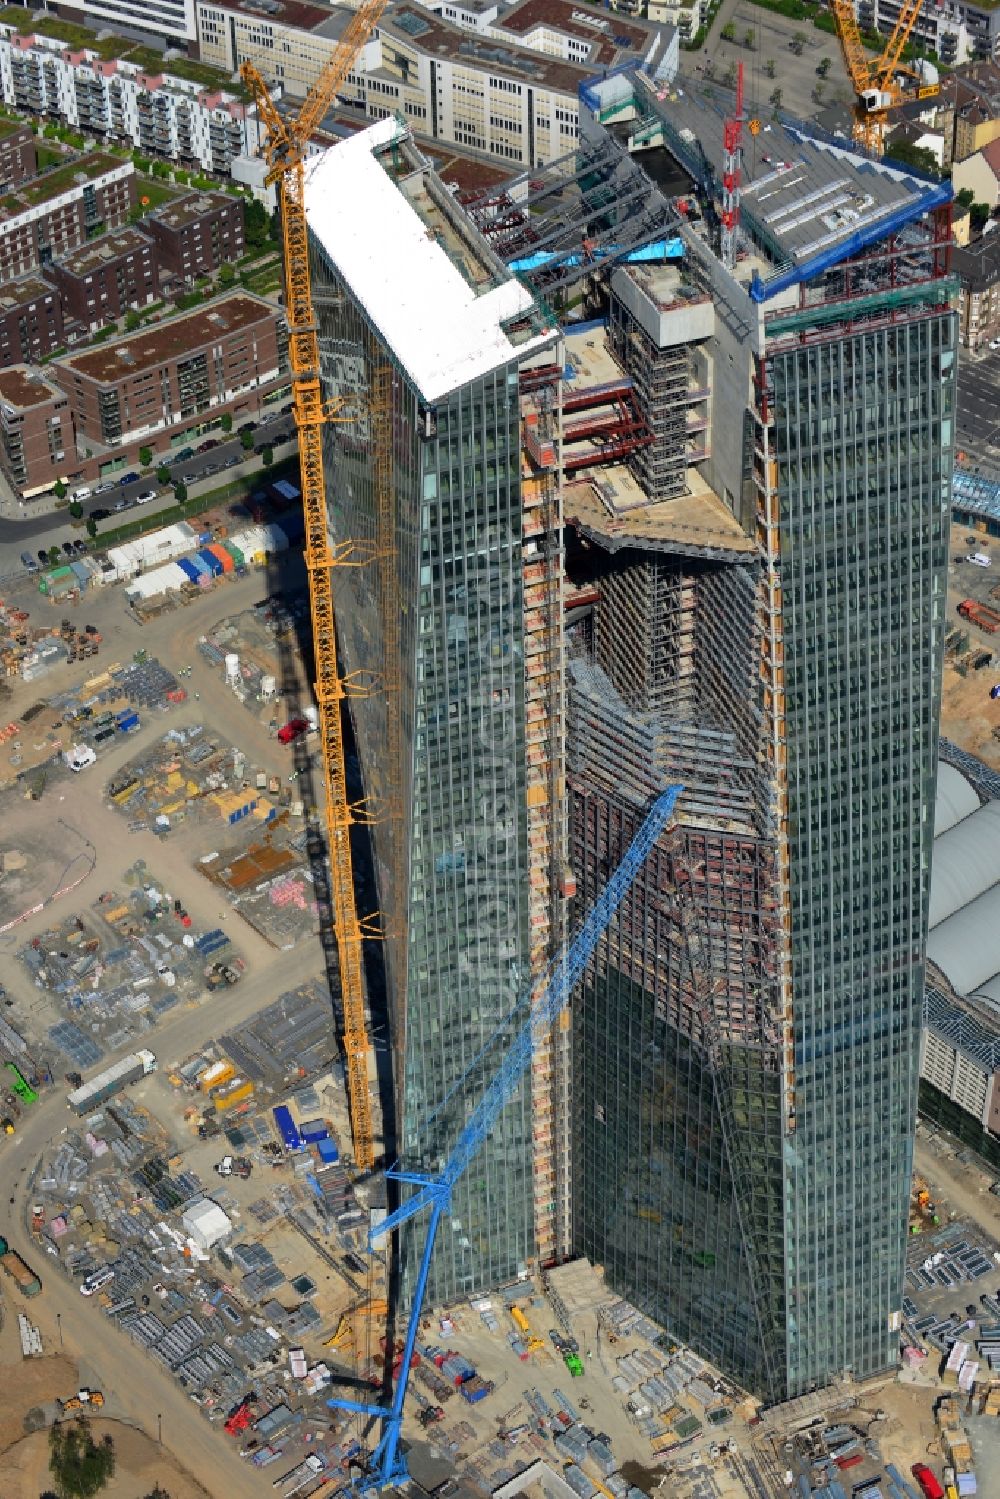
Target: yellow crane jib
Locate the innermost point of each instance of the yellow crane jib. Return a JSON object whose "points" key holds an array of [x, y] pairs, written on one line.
{"points": [[883, 82], [284, 150]]}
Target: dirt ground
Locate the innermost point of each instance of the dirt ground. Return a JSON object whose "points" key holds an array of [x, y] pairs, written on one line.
{"points": [[140, 1465], [969, 716]]}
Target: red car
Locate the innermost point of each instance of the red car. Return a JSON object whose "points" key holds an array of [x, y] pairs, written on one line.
{"points": [[292, 730]]}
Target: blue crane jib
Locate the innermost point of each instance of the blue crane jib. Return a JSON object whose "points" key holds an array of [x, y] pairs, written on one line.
{"points": [[387, 1466]]}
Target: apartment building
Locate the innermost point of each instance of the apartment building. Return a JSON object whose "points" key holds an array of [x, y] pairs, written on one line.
{"points": [[18, 157], [99, 282], [506, 86], [159, 113], [31, 320], [196, 234], [225, 356], [957, 30], [978, 268], [171, 21], [36, 430], [967, 110], [58, 211]]}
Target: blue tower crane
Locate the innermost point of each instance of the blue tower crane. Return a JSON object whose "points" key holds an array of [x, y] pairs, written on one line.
{"points": [[387, 1467]]}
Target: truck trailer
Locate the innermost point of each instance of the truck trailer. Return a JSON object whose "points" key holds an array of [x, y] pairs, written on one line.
{"points": [[111, 1081], [12, 1264]]}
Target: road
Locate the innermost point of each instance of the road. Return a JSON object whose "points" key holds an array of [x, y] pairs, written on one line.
{"points": [[53, 527], [978, 420]]}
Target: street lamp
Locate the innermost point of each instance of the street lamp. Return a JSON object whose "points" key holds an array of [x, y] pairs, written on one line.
{"points": [[59, 1325], [159, 1428]]}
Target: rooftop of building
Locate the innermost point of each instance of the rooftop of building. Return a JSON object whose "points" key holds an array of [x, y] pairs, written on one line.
{"points": [[91, 256], [22, 387], [299, 14], [978, 264], [20, 293], [12, 127], [190, 208], [111, 48], [613, 38], [76, 173], [448, 312], [802, 197], [440, 38], [964, 915], [170, 340]]}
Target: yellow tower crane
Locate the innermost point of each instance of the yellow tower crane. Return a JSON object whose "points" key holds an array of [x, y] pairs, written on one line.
{"points": [[284, 150], [880, 83]]}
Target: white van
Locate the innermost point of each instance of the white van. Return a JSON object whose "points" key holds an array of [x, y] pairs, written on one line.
{"points": [[79, 757], [97, 1281], [83, 493], [980, 559]]}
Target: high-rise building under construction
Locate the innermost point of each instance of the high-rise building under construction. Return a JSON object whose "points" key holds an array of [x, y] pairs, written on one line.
{"points": [[700, 539]]}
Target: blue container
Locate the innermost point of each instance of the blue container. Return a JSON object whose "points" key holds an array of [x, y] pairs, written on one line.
{"points": [[286, 1128], [313, 1130], [127, 723], [328, 1152], [188, 568], [211, 562]]}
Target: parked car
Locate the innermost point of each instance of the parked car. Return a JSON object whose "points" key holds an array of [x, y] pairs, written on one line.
{"points": [[28, 562], [231, 462], [83, 493], [213, 442], [128, 478], [246, 427], [43, 556], [145, 497], [67, 547], [79, 546], [292, 730], [105, 488], [184, 455], [100, 513]]}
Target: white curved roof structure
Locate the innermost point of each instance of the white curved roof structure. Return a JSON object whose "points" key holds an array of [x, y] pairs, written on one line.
{"points": [[955, 798], [966, 862]]}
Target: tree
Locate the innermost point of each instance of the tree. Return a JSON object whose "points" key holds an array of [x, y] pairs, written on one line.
{"points": [[749, 40], [914, 156], [59, 488], [274, 228], [75, 509], [769, 67], [157, 1493], [53, 555], [91, 527], [255, 224], [798, 44], [180, 491], [226, 421], [824, 67], [132, 320], [776, 99], [267, 457], [227, 274], [163, 474], [145, 456], [246, 441], [728, 32], [80, 1467]]}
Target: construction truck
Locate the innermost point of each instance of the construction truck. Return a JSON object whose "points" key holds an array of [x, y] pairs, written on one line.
{"points": [[83, 1400], [980, 614]]}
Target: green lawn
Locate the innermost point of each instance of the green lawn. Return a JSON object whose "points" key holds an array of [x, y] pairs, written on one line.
{"points": [[156, 191], [110, 46]]}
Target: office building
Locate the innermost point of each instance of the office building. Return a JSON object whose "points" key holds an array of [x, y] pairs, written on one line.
{"points": [[31, 320], [170, 21], [196, 234], [104, 279], [506, 87], [227, 356], [956, 30], [36, 430], [746, 1055], [406, 295], [180, 111], [58, 211]]}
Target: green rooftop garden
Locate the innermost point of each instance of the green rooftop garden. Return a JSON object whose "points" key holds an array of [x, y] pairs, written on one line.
{"points": [[61, 178], [147, 58]]}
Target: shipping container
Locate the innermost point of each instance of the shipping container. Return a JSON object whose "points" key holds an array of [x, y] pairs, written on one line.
{"points": [[286, 1128], [188, 568], [211, 562], [222, 557]]}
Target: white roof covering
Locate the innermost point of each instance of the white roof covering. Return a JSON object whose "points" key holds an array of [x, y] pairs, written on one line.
{"points": [[966, 947], [955, 798], [442, 333], [966, 862], [205, 1221]]}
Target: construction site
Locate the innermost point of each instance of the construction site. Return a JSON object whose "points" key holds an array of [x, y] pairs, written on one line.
{"points": [[609, 817]]}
